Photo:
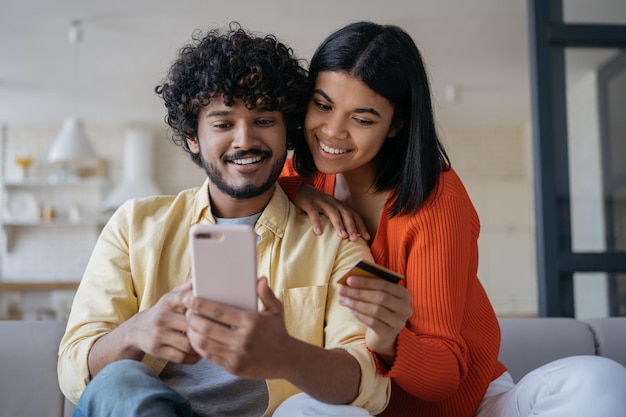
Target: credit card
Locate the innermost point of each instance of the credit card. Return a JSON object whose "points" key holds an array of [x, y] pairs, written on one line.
{"points": [[369, 269]]}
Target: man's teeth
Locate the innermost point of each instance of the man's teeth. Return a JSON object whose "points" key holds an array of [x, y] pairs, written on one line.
{"points": [[247, 161], [328, 149]]}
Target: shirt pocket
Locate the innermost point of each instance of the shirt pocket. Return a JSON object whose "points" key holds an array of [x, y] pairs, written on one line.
{"points": [[305, 309]]}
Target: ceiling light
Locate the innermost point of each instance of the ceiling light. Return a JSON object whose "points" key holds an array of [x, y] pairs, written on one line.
{"points": [[71, 144]]}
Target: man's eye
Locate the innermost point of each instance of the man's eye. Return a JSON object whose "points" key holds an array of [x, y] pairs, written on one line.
{"points": [[265, 122], [221, 125]]}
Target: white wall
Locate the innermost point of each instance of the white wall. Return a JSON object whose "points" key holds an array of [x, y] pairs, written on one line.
{"points": [[495, 167]]}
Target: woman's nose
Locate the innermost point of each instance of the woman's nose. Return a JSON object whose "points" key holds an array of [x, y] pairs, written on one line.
{"points": [[335, 127]]}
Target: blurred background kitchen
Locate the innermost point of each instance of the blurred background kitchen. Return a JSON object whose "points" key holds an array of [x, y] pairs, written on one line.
{"points": [[82, 130]]}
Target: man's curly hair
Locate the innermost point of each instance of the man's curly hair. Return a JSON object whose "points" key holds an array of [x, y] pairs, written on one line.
{"points": [[260, 71]]}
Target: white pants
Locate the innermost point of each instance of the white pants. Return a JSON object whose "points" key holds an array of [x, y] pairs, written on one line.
{"points": [[301, 405], [577, 386]]}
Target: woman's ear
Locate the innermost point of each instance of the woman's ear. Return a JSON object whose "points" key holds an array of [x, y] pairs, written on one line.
{"points": [[193, 145], [395, 128]]}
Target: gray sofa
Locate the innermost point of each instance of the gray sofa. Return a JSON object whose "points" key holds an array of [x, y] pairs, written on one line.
{"points": [[28, 353]]}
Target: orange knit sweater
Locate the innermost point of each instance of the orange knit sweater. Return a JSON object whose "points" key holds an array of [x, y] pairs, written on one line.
{"points": [[448, 352]]}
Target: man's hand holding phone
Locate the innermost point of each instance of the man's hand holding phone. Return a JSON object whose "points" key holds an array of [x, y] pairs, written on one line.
{"points": [[225, 325], [163, 326], [246, 343], [158, 331]]}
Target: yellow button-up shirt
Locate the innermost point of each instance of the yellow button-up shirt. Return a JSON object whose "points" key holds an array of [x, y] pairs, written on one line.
{"points": [[143, 253]]}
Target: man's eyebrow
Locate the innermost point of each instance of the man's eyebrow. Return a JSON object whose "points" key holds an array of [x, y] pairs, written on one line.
{"points": [[369, 110], [217, 113], [222, 113]]}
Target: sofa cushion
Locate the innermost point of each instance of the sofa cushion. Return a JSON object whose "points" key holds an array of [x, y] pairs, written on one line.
{"points": [[28, 370], [610, 333], [528, 343]]}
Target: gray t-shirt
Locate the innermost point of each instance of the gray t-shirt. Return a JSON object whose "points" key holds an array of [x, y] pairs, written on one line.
{"points": [[211, 391]]}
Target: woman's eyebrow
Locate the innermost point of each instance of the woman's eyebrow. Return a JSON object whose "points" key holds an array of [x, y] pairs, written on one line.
{"points": [[369, 110], [323, 94]]}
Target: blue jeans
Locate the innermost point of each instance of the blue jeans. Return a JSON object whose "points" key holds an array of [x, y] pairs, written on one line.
{"points": [[130, 388]]}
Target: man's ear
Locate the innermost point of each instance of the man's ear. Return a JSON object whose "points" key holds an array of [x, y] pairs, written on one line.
{"points": [[193, 145]]}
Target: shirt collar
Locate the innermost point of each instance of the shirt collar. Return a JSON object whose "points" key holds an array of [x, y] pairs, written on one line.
{"points": [[202, 206], [274, 217]]}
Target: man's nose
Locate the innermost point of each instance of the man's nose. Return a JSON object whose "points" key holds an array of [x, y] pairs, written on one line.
{"points": [[244, 137]]}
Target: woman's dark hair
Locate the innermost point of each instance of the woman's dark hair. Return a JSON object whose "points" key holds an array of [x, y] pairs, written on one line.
{"points": [[259, 71], [387, 60]]}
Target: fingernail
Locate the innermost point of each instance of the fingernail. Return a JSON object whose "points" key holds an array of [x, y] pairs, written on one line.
{"points": [[187, 301]]}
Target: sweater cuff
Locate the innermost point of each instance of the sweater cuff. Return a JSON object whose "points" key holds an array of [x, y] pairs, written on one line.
{"points": [[381, 367]]}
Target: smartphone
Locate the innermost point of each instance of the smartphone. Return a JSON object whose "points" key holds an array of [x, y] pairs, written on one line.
{"points": [[370, 269], [223, 264]]}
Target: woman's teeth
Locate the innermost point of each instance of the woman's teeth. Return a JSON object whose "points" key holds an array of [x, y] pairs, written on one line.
{"points": [[328, 149]]}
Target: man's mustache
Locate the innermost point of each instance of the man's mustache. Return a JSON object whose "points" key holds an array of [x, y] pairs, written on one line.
{"points": [[246, 154]]}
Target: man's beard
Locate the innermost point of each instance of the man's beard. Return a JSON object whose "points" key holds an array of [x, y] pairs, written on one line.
{"points": [[247, 191]]}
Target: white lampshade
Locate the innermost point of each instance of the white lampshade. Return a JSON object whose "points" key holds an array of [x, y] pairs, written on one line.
{"points": [[71, 144]]}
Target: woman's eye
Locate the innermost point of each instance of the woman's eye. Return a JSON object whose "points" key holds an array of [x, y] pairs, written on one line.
{"points": [[363, 122], [322, 106]]}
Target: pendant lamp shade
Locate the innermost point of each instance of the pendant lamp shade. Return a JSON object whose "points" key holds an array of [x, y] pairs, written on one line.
{"points": [[71, 144]]}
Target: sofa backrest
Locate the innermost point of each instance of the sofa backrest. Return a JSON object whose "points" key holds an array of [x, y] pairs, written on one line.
{"points": [[610, 337], [28, 376], [29, 349], [528, 343]]}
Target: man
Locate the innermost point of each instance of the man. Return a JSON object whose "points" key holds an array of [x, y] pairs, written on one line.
{"points": [[136, 338]]}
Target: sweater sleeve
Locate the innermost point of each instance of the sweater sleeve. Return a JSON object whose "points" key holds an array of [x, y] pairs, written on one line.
{"points": [[438, 246]]}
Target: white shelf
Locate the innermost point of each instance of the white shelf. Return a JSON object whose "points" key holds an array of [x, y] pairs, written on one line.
{"points": [[87, 221], [36, 195], [42, 183]]}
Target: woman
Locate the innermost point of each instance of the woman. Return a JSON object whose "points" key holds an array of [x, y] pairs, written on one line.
{"points": [[371, 143]]}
